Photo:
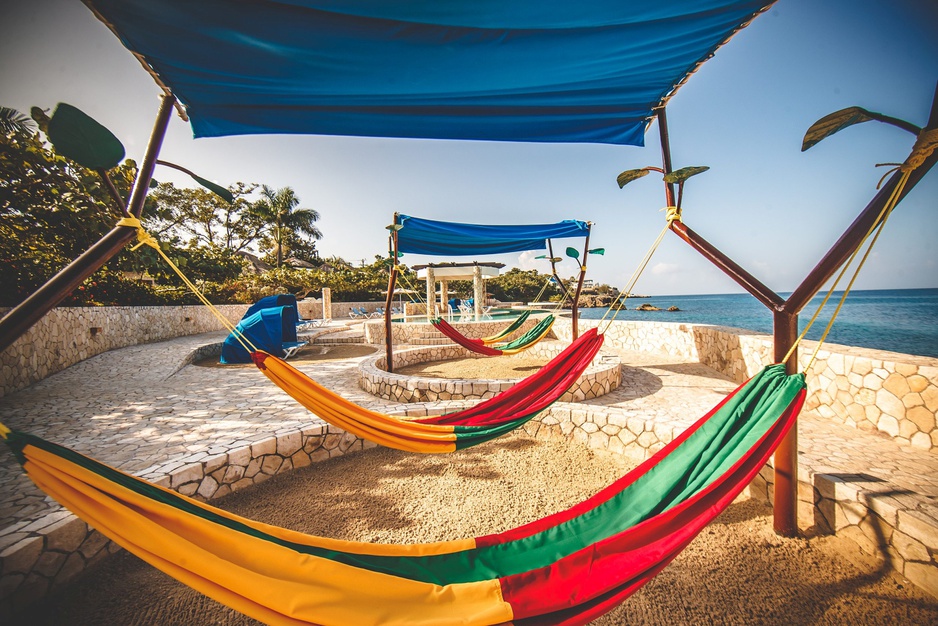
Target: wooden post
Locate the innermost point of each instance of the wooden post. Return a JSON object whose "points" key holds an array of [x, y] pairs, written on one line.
{"points": [[785, 312], [389, 300], [579, 283], [32, 309]]}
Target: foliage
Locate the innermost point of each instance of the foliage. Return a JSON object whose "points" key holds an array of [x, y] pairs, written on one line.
{"points": [[51, 210], [292, 229], [200, 217], [518, 285]]}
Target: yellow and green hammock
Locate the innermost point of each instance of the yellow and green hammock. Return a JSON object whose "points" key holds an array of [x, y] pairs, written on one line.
{"points": [[567, 568]]}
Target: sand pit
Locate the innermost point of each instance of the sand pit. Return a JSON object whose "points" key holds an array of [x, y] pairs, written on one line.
{"points": [[736, 572], [497, 367]]}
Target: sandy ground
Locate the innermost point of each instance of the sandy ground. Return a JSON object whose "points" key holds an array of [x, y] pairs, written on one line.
{"points": [[737, 571]]}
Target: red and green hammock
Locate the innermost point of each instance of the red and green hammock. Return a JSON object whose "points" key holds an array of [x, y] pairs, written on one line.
{"points": [[567, 568], [445, 433], [479, 346]]}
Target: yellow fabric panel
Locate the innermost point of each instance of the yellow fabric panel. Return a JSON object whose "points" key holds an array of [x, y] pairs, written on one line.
{"points": [[383, 429], [263, 580]]}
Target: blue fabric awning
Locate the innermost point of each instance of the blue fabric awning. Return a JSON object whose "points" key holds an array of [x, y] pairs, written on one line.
{"points": [[420, 236], [506, 70]]}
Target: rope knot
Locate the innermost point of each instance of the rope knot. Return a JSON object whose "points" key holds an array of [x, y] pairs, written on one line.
{"points": [[925, 144], [672, 213]]}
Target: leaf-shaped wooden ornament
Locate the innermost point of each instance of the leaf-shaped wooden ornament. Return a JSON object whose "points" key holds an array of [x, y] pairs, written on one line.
{"points": [[681, 175], [629, 175], [80, 138], [835, 122]]}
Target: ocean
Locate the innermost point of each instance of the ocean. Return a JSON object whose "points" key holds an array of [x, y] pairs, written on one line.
{"points": [[898, 320]]}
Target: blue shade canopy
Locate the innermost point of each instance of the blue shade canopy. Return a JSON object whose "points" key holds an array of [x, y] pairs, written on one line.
{"points": [[507, 70], [420, 236], [267, 330]]}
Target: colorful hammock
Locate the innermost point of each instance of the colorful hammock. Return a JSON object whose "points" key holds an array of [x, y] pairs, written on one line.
{"points": [[515, 325], [445, 433], [478, 346], [567, 568]]}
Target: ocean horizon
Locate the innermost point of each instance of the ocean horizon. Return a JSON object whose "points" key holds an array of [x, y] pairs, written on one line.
{"points": [[897, 320]]}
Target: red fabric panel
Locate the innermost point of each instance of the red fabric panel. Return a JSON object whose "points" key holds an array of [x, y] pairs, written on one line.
{"points": [[532, 394], [476, 345], [560, 517], [574, 586]]}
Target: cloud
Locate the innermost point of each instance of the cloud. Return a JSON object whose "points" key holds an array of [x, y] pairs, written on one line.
{"points": [[665, 269]]}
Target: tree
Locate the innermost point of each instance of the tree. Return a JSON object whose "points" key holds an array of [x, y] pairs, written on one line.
{"points": [[200, 217], [291, 227], [51, 211], [521, 285]]}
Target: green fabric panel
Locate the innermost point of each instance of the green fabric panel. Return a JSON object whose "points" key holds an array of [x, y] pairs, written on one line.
{"points": [[709, 452], [515, 325], [529, 336], [468, 436]]}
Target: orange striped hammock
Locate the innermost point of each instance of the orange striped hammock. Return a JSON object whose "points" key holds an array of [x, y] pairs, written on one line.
{"points": [[444, 433], [567, 568]]}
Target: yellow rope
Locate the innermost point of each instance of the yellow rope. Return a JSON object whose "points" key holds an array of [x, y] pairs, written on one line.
{"points": [[877, 226], [672, 214], [146, 239]]}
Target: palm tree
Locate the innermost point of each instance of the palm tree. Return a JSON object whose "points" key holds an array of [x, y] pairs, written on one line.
{"points": [[12, 121], [279, 208]]}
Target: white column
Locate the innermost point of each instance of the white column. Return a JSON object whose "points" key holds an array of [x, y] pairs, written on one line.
{"points": [[431, 293], [326, 303], [478, 291], [444, 296]]}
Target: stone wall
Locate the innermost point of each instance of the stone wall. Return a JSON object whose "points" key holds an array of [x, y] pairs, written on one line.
{"points": [[41, 556], [67, 335], [872, 390], [598, 379]]}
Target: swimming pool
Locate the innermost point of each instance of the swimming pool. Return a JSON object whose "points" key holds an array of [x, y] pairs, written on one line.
{"points": [[469, 318]]}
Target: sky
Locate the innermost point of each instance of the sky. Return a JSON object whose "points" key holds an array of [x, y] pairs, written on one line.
{"points": [[771, 208]]}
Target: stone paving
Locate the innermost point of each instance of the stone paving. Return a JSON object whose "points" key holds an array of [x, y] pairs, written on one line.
{"points": [[206, 431]]}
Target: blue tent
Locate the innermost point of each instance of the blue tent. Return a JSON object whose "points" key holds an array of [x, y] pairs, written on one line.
{"points": [[282, 299], [268, 329], [591, 71]]}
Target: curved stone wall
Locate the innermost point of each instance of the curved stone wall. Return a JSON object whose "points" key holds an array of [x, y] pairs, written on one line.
{"points": [[872, 390], [598, 379]]}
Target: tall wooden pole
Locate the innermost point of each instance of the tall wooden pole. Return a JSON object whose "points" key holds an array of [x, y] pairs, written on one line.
{"points": [[32, 309], [392, 280], [579, 283]]}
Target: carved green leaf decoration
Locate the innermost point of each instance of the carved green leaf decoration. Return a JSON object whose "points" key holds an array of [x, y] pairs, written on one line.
{"points": [[217, 189], [599, 251], [394, 227], [835, 122], [153, 183], [629, 175], [80, 138], [681, 175], [400, 254], [542, 256], [573, 253]]}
